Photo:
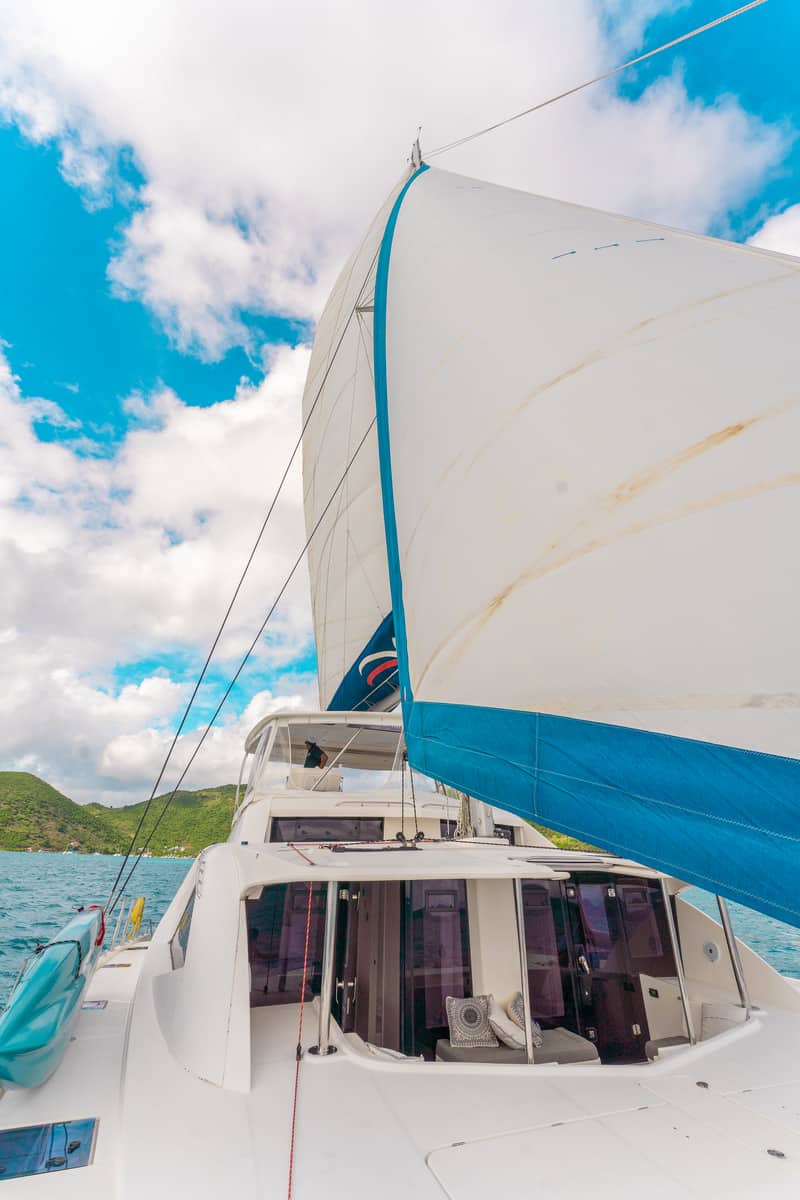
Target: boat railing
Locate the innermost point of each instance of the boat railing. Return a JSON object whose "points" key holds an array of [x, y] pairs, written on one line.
{"points": [[130, 925]]}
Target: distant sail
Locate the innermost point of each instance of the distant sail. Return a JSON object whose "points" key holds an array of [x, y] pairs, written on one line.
{"points": [[351, 600], [589, 435]]}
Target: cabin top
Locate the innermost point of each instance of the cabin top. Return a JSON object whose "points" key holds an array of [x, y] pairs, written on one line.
{"points": [[370, 741], [258, 865]]}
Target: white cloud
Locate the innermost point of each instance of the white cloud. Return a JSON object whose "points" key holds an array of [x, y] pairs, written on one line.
{"points": [[134, 557], [50, 413], [781, 232], [267, 135], [136, 756]]}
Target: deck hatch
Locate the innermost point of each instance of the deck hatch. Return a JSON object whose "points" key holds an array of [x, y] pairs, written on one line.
{"points": [[45, 1149]]}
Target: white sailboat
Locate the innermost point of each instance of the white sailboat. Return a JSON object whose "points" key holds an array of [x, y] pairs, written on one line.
{"points": [[550, 473]]}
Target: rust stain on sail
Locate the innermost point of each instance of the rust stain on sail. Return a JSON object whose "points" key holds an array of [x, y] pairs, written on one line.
{"points": [[638, 483], [540, 568], [545, 565]]}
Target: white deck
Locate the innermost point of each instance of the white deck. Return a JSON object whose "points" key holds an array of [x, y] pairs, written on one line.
{"points": [[366, 1127]]}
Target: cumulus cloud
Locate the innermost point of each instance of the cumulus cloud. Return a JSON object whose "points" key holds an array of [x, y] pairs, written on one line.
{"points": [[266, 136], [132, 757], [130, 558], [781, 232]]}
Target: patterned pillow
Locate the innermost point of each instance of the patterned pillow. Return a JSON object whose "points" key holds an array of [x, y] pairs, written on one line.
{"points": [[507, 1030], [516, 1010], [468, 1019]]}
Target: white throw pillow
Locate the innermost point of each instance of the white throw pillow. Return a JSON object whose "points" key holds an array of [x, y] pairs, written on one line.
{"points": [[506, 1030], [516, 1011]]}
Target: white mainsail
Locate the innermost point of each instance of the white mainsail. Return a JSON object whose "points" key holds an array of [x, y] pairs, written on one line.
{"points": [[595, 451], [589, 441]]}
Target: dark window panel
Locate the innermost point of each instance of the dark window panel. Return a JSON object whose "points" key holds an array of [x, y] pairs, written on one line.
{"points": [[326, 829], [437, 958], [276, 938]]}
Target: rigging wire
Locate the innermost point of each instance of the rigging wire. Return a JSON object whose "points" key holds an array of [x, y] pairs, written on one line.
{"points": [[598, 79], [116, 895], [236, 591]]}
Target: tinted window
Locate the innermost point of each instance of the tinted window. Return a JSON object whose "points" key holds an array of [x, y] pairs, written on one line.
{"points": [[437, 958], [45, 1149], [604, 949], [646, 929], [326, 829], [544, 953], [180, 939], [276, 939]]}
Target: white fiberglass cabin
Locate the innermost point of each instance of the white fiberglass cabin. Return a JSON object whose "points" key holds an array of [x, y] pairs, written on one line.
{"points": [[648, 1047], [363, 793]]}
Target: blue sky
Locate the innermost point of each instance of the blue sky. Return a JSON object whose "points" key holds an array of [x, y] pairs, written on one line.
{"points": [[69, 337], [754, 57], [167, 227]]}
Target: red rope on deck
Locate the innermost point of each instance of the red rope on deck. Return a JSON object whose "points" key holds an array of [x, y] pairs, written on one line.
{"points": [[299, 1053], [305, 857]]}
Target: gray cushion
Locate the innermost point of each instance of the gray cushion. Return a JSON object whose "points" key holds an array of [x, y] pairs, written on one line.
{"points": [[655, 1044], [564, 1046], [558, 1046], [478, 1054]]}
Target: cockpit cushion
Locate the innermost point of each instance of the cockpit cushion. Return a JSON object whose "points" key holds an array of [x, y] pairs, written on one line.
{"points": [[558, 1046]]}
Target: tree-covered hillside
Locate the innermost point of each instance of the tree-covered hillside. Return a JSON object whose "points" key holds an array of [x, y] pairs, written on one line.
{"points": [[193, 820], [34, 815]]}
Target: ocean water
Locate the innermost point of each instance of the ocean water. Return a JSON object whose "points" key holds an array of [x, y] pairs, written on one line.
{"points": [[778, 944], [39, 893]]}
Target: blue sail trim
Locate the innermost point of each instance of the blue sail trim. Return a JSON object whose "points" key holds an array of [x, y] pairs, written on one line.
{"points": [[725, 819], [373, 676], [384, 450]]}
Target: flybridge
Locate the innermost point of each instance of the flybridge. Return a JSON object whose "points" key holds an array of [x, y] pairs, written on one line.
{"points": [[365, 791], [369, 741]]}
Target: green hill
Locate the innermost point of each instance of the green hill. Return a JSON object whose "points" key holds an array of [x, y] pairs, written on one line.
{"points": [[193, 820], [33, 814]]}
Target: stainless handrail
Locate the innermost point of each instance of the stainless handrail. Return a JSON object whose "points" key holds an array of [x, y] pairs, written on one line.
{"points": [[733, 952], [676, 953], [328, 963], [523, 965]]}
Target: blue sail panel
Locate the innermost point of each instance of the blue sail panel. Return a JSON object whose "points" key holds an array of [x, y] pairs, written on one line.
{"points": [[724, 819]]}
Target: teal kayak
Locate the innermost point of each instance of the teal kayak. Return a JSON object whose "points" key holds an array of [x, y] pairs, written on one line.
{"points": [[36, 1024]]}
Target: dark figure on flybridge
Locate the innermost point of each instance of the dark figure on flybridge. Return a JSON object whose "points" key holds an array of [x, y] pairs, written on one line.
{"points": [[315, 757]]}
